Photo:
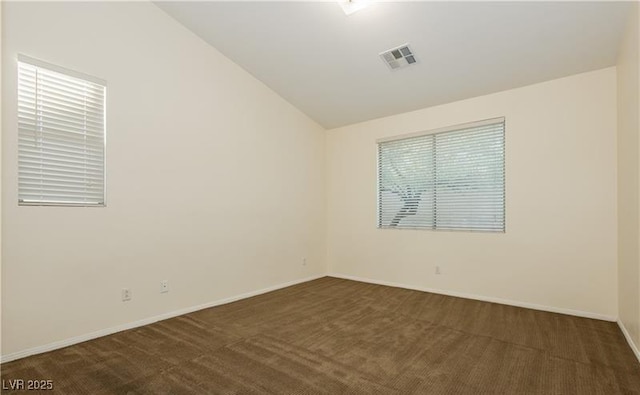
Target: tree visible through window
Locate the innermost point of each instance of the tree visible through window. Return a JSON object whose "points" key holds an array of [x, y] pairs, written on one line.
{"points": [[451, 179]]}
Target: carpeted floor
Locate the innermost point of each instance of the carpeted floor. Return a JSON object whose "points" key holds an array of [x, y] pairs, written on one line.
{"points": [[333, 336]]}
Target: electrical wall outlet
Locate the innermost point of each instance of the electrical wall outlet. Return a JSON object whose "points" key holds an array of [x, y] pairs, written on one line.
{"points": [[438, 270], [164, 286], [126, 294], [304, 261]]}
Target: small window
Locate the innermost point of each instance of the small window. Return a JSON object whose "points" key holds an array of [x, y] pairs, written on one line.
{"points": [[448, 179], [61, 136]]}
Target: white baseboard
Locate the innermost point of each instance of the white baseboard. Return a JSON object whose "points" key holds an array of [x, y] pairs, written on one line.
{"points": [[146, 321], [161, 317], [509, 302], [629, 340]]}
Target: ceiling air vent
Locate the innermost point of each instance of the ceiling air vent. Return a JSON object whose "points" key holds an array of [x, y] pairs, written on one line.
{"points": [[399, 57]]}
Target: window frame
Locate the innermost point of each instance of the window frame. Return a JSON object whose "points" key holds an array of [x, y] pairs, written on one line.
{"points": [[453, 128], [39, 64]]}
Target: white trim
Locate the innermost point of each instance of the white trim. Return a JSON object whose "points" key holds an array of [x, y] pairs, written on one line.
{"points": [[577, 313], [627, 336], [61, 70], [461, 126], [147, 321]]}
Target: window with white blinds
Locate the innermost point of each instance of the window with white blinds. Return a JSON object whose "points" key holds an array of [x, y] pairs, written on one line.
{"points": [[449, 179], [61, 136]]}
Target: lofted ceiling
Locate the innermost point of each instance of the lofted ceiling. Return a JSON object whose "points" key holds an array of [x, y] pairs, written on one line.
{"points": [[327, 63]]}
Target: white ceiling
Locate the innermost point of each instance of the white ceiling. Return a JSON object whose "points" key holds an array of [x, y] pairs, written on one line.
{"points": [[326, 63]]}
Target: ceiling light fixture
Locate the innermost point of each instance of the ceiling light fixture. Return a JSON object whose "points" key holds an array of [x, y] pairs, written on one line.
{"points": [[351, 6]]}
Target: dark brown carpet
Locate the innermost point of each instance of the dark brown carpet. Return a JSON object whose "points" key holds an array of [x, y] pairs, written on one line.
{"points": [[333, 336]]}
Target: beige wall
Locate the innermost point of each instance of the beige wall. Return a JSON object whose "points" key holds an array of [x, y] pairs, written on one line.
{"points": [[214, 182], [218, 185], [629, 180], [0, 183], [559, 249]]}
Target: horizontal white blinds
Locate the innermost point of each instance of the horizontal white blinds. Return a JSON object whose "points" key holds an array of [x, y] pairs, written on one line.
{"points": [[449, 180], [61, 138]]}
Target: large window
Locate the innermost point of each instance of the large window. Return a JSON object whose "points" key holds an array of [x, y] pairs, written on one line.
{"points": [[448, 179], [61, 136]]}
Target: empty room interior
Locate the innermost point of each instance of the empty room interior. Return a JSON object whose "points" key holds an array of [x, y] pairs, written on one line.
{"points": [[327, 197]]}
